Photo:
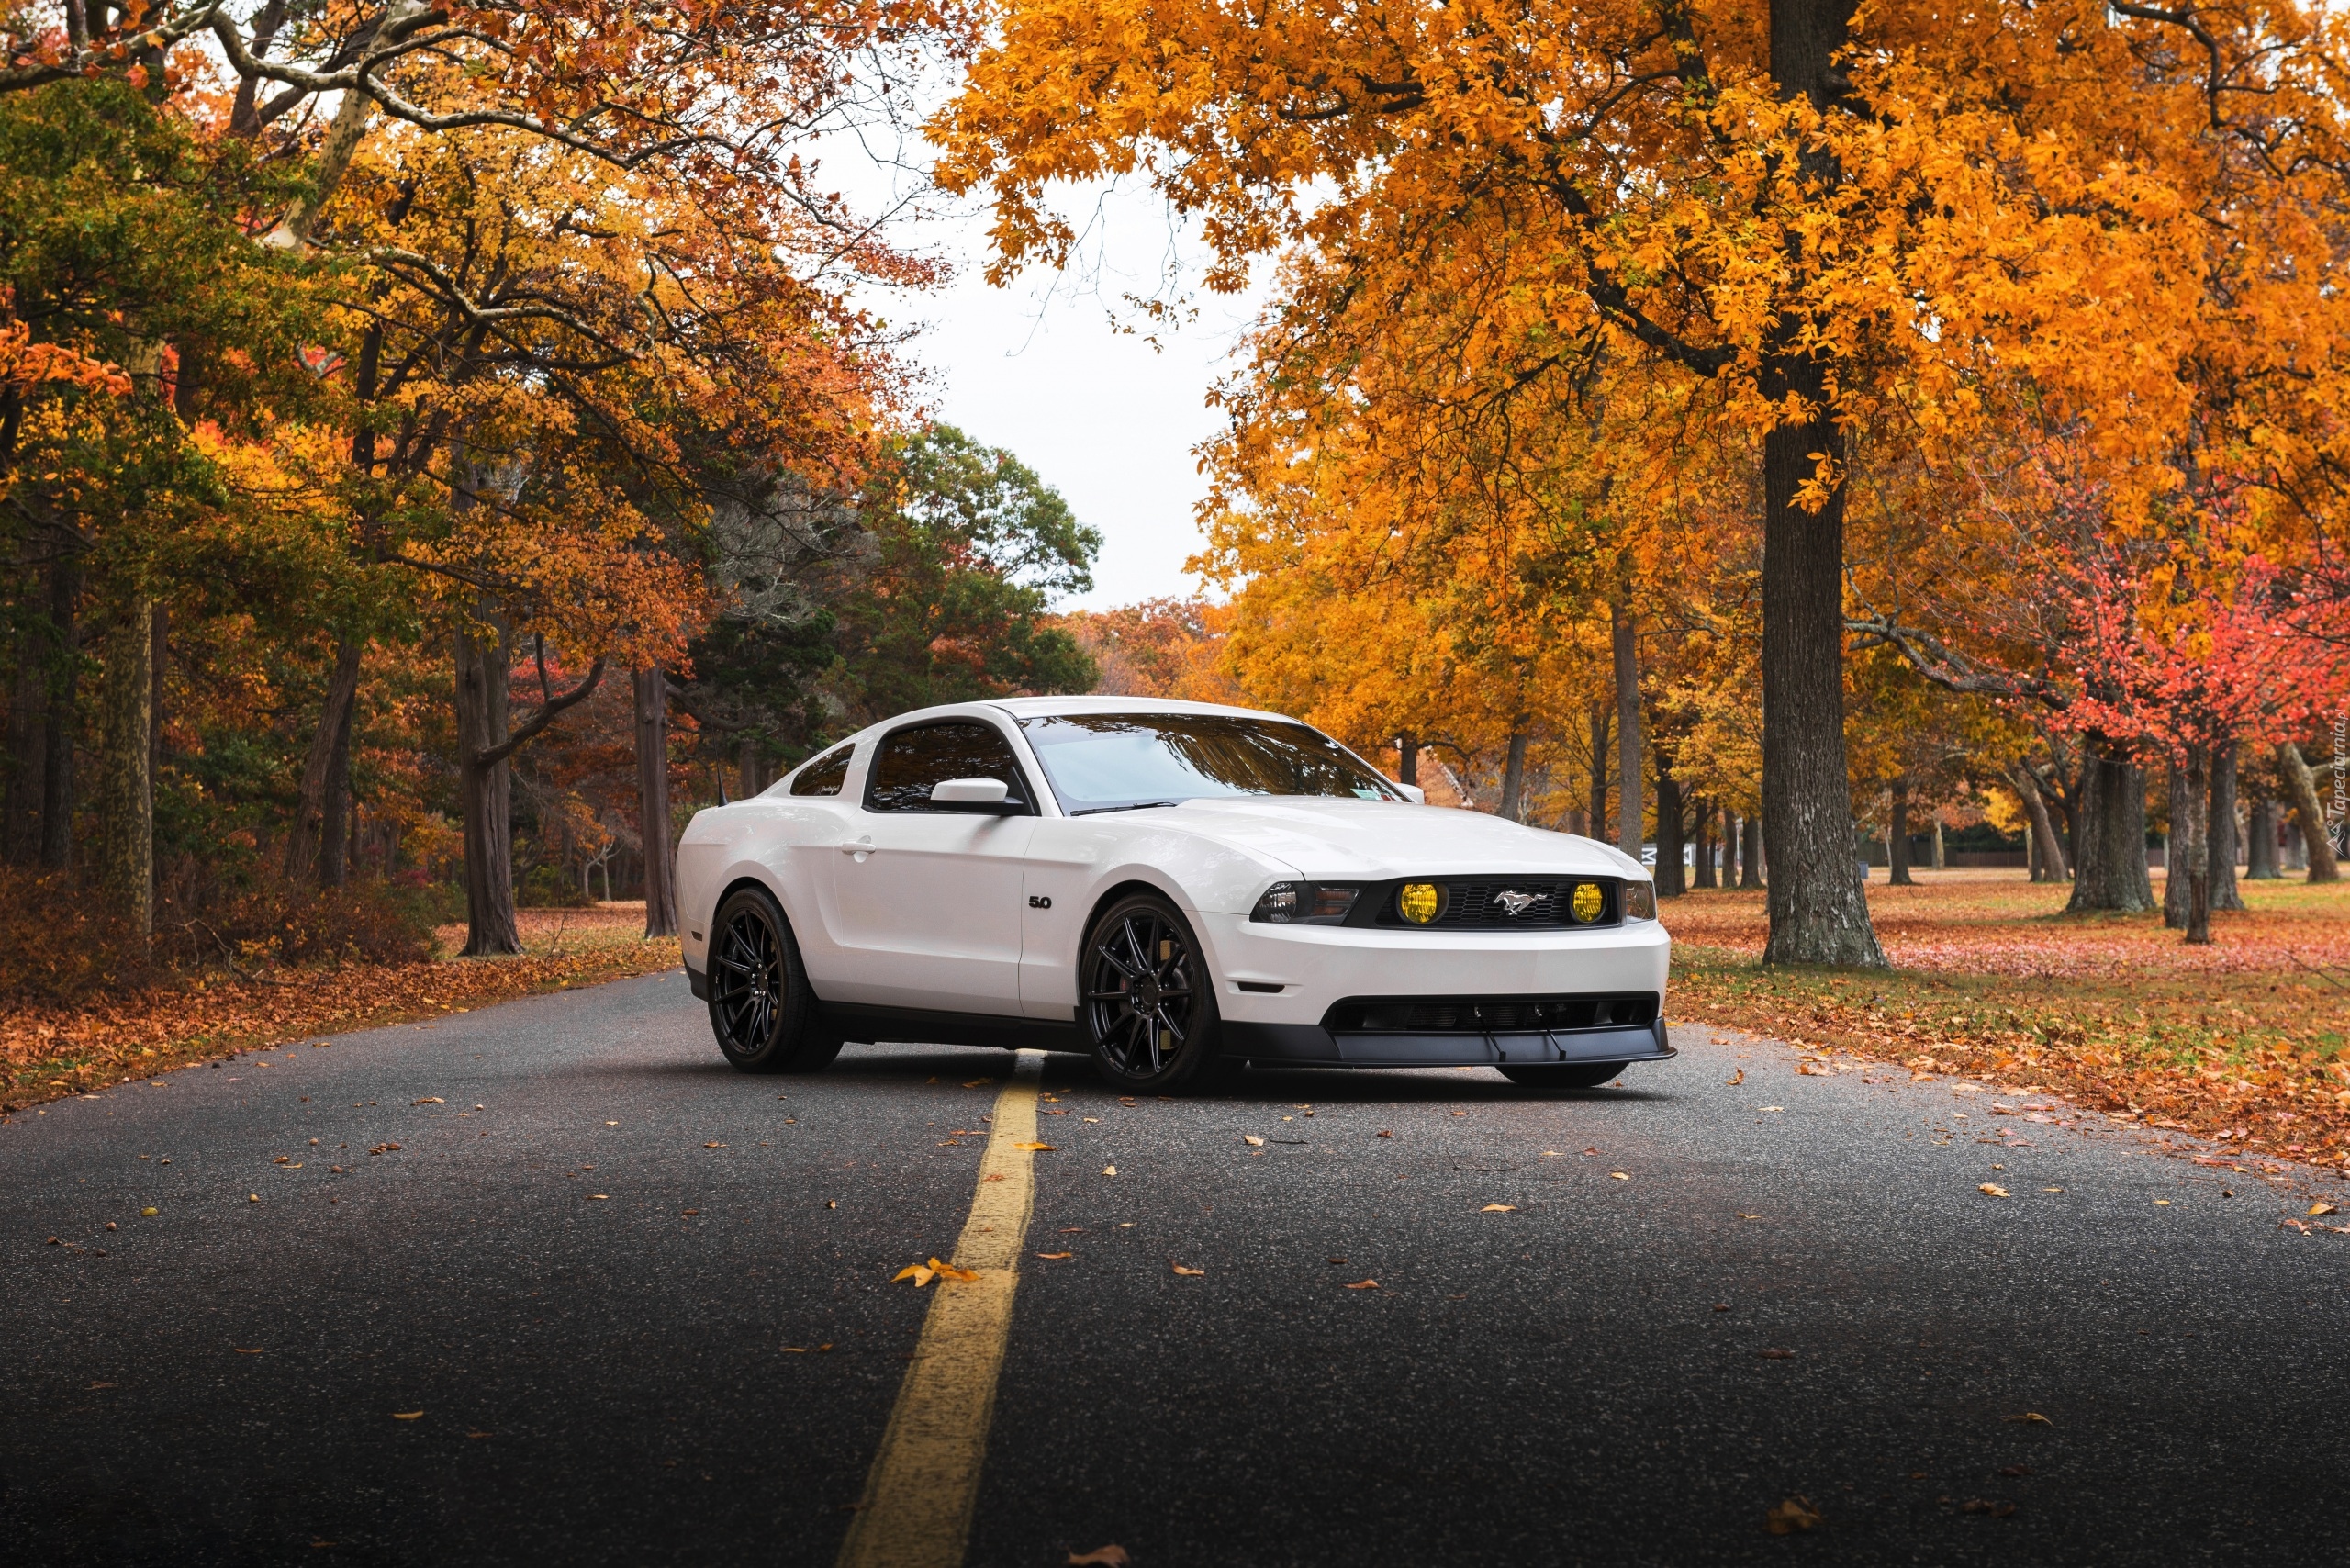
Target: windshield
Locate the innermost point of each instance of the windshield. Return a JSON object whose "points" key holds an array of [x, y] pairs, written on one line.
{"points": [[1107, 761]]}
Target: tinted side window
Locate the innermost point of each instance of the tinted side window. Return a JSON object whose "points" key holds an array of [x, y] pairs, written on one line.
{"points": [[912, 762], [825, 775]]}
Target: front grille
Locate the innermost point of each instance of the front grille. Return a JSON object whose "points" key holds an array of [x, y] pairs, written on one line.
{"points": [[1486, 1015], [1480, 906]]}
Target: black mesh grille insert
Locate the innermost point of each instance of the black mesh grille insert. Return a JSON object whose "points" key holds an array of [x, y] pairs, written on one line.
{"points": [[1540, 902], [1486, 1015]]}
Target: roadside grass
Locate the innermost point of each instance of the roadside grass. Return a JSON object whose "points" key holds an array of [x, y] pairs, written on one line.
{"points": [[47, 1053], [2243, 1040]]}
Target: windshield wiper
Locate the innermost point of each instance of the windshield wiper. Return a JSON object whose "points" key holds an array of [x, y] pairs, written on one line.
{"points": [[1135, 806]]}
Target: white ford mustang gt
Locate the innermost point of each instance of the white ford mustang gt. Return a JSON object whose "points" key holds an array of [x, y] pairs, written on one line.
{"points": [[1176, 888]]}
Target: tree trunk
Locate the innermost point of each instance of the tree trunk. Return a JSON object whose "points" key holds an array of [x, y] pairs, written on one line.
{"points": [[2047, 847], [1513, 779], [340, 820], [486, 792], [1819, 913], [1750, 852], [39, 667], [1897, 841], [653, 802], [2221, 835], [1630, 818], [2195, 853], [310, 831], [1408, 760], [1599, 717], [159, 667], [2302, 790], [58, 726], [1669, 880], [2110, 821], [2175, 878], [747, 754], [2260, 838], [1704, 837], [127, 800]]}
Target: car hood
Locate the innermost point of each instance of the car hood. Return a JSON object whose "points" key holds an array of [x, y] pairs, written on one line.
{"points": [[1330, 838]]}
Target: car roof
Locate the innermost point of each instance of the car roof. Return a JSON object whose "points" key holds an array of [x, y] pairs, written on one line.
{"points": [[1045, 706]]}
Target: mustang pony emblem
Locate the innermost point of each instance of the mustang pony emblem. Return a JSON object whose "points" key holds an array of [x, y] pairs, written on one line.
{"points": [[1514, 904]]}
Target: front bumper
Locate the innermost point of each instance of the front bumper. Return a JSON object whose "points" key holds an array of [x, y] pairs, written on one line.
{"points": [[1316, 966], [1310, 1045]]}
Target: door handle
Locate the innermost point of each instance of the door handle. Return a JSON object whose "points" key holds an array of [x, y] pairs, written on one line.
{"points": [[860, 847]]}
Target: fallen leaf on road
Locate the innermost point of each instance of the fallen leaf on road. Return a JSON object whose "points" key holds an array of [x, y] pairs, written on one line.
{"points": [[1734, 1082], [1977, 1506], [1808, 1071], [832, 1203], [611, 1123], [408, 1414], [1794, 1514], [1498, 1209], [1194, 1272], [106, 1386], [1992, 1189], [969, 1132], [690, 1213], [1252, 1140], [1618, 1176], [151, 1214], [1777, 1355], [1035, 1147], [1384, 1133], [1364, 1285], [1774, 1107], [1750, 1217], [2033, 1416], [713, 1146], [598, 1197], [1721, 1306], [1109, 1170], [795, 1350], [384, 1148], [995, 1176], [1055, 1256], [976, 1081], [2012, 1471], [242, 1352], [428, 1099], [283, 1159], [253, 1197], [2162, 1202], [1057, 1112], [2313, 1208], [1100, 1557]]}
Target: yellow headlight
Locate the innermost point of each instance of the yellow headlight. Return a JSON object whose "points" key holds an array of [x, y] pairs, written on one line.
{"points": [[1588, 902], [1418, 903]]}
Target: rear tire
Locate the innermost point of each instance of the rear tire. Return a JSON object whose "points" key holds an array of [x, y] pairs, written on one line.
{"points": [[1149, 1002], [761, 1008], [1564, 1074]]}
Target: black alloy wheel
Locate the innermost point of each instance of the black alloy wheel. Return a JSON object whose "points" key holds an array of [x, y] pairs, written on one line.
{"points": [[1564, 1074], [1149, 1001], [760, 1006]]}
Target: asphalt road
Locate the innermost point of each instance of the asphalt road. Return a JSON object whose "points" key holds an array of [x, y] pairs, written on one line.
{"points": [[1588, 1376]]}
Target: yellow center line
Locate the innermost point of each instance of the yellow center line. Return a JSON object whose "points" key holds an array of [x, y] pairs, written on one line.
{"points": [[916, 1512]]}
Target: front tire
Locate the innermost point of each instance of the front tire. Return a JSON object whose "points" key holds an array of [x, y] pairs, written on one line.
{"points": [[1564, 1074], [1149, 1003], [761, 1007]]}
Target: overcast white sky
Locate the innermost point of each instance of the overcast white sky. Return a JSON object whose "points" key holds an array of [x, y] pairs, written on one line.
{"points": [[1039, 368]]}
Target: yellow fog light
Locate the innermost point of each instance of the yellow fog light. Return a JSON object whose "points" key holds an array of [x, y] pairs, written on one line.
{"points": [[1588, 902], [1418, 903]]}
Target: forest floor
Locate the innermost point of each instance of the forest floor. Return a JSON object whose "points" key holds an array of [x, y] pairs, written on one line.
{"points": [[48, 1052], [2242, 1041]]}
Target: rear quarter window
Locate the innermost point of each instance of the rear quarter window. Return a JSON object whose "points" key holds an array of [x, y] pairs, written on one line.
{"points": [[826, 775]]}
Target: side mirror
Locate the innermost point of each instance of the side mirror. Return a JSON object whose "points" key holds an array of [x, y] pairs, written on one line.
{"points": [[972, 795], [1414, 793]]}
